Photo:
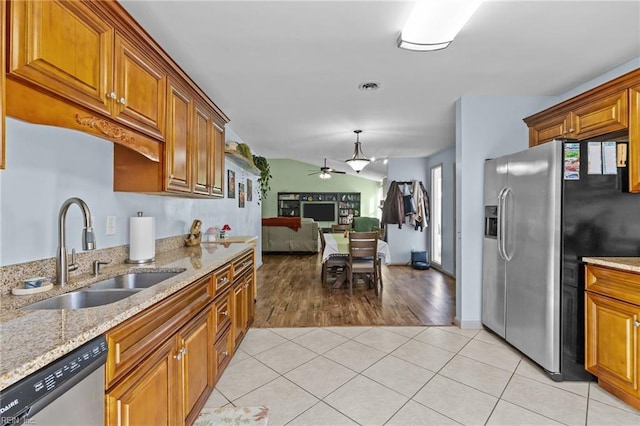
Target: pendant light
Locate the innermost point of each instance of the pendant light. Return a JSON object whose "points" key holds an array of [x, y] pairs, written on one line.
{"points": [[358, 161]]}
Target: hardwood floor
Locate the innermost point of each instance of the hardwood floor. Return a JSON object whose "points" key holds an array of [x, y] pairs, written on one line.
{"points": [[290, 294]]}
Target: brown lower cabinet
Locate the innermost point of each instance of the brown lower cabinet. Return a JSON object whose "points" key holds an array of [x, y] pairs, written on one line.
{"points": [[164, 362], [612, 341]]}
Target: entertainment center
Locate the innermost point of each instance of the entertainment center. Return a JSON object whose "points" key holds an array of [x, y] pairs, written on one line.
{"points": [[331, 207]]}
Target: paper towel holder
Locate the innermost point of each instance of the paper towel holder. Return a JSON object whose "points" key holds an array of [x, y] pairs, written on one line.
{"points": [[141, 261]]}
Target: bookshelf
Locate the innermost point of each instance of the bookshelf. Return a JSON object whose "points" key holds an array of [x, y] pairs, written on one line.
{"points": [[348, 203]]}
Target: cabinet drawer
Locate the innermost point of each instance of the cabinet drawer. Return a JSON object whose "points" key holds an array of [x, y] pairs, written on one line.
{"points": [[223, 314], [620, 285], [223, 351], [135, 338], [222, 278], [243, 264]]}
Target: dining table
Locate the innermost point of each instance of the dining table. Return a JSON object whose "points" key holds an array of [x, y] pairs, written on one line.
{"points": [[337, 245]]}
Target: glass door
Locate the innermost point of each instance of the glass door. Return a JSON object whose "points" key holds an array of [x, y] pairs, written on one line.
{"points": [[436, 216]]}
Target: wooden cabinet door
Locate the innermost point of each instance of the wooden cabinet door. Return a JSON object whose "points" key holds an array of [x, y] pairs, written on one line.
{"points": [[3, 8], [197, 363], [223, 352], [612, 329], [239, 321], [140, 90], [65, 47], [554, 127], [600, 117], [177, 142], [634, 139], [218, 168], [250, 301], [203, 150], [148, 395]]}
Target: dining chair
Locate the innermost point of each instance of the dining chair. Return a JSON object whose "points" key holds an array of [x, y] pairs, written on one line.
{"points": [[334, 264], [363, 254], [340, 228]]}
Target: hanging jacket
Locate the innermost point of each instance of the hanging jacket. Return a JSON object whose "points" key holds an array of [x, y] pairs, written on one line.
{"points": [[393, 207]]}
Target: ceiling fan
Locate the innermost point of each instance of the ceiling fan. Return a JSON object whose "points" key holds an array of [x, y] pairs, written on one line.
{"points": [[325, 171]]}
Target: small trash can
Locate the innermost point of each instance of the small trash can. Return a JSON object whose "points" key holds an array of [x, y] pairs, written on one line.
{"points": [[419, 260]]}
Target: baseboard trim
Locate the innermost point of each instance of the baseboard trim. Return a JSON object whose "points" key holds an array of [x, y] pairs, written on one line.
{"points": [[468, 325]]}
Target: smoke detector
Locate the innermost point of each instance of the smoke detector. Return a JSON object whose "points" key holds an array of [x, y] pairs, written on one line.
{"points": [[369, 86]]}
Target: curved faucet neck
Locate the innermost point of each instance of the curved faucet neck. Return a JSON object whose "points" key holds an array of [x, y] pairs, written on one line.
{"points": [[88, 241]]}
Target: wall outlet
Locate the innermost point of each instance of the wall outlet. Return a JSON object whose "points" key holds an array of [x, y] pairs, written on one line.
{"points": [[111, 225]]}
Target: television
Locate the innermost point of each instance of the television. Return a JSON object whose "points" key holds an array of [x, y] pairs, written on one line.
{"points": [[320, 212]]}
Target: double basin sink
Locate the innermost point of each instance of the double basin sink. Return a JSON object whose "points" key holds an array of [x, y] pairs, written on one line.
{"points": [[104, 292]]}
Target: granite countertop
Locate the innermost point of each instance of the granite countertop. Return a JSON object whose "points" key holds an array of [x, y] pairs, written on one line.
{"points": [[631, 264], [31, 339]]}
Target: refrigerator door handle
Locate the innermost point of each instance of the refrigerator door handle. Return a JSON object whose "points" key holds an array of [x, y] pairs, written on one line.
{"points": [[500, 224], [503, 223]]}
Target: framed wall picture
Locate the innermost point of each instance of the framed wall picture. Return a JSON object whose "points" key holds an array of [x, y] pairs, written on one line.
{"points": [[231, 184], [241, 195], [249, 190]]}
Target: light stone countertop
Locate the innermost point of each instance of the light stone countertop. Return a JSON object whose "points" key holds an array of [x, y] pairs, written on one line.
{"points": [[631, 264], [32, 339]]}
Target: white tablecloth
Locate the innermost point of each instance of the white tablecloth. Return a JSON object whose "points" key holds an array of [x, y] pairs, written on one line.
{"points": [[333, 249]]}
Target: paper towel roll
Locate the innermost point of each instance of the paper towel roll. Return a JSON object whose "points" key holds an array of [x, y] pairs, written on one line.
{"points": [[142, 238]]}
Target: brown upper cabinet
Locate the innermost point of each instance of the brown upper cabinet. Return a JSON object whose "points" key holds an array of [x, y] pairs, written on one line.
{"points": [[89, 66], [634, 138], [89, 63], [611, 108], [193, 157]]}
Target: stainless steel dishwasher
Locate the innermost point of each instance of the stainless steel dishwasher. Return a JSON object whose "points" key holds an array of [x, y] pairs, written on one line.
{"points": [[69, 391]]}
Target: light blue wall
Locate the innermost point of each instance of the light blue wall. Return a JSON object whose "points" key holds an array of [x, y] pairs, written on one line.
{"points": [[486, 127], [401, 241], [46, 165], [447, 159], [293, 176]]}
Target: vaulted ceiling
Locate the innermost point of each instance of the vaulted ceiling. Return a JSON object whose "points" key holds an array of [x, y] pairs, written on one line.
{"points": [[287, 72]]}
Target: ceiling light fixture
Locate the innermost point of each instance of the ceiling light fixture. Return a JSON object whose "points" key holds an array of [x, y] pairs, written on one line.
{"points": [[324, 175], [358, 161], [433, 24]]}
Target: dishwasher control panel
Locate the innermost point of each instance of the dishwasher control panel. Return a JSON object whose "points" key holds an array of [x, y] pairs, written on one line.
{"points": [[46, 384]]}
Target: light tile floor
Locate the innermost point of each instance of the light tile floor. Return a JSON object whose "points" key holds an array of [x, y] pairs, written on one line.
{"points": [[404, 376]]}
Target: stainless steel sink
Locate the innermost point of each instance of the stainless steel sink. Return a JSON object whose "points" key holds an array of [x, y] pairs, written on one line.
{"points": [[134, 280], [82, 299], [104, 292]]}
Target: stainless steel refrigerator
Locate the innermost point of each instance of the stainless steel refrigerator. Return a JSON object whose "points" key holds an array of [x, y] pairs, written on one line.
{"points": [[537, 227]]}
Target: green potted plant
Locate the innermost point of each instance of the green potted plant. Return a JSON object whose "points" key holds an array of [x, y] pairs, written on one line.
{"points": [[265, 175]]}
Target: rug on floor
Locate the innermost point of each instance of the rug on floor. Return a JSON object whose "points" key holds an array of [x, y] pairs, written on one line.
{"points": [[233, 416]]}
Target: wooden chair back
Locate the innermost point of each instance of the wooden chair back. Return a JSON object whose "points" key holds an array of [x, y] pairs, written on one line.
{"points": [[323, 243], [340, 228], [363, 245]]}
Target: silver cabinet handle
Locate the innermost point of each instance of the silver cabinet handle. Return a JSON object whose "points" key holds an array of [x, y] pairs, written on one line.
{"points": [[225, 313], [636, 323], [111, 95], [180, 353], [223, 280], [121, 101], [224, 353]]}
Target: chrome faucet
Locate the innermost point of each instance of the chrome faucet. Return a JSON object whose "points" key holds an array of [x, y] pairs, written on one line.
{"points": [[88, 238]]}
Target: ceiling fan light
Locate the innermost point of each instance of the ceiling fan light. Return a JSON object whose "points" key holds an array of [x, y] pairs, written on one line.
{"points": [[324, 175], [433, 24]]}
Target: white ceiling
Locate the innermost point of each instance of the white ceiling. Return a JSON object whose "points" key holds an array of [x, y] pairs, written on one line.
{"points": [[287, 72]]}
